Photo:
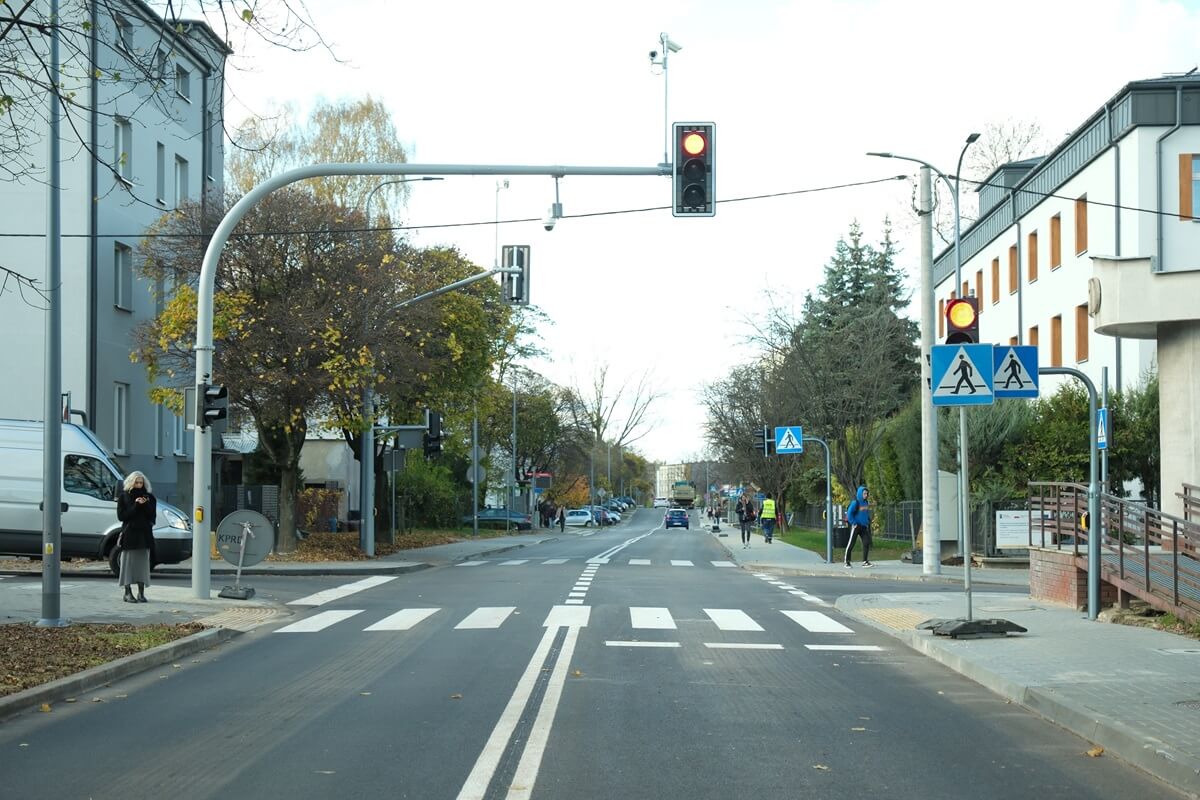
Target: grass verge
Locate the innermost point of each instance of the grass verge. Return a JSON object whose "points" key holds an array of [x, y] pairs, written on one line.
{"points": [[812, 539]]}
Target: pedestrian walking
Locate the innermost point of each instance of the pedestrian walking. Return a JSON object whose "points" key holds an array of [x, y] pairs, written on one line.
{"points": [[562, 519], [858, 514], [768, 518], [745, 515], [137, 510]]}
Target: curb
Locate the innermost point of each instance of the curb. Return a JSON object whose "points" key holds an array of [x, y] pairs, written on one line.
{"points": [[1152, 756], [80, 682], [398, 569]]}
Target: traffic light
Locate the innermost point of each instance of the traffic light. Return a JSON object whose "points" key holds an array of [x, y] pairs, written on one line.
{"points": [[693, 176], [212, 404], [433, 433], [762, 441], [962, 321], [516, 287]]}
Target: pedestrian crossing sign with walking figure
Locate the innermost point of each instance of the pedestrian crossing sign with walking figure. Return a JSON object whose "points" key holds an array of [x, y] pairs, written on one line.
{"points": [[1015, 370], [789, 439], [962, 375]]}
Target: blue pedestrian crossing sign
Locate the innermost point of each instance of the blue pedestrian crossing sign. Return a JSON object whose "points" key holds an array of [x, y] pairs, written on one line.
{"points": [[1015, 370], [1102, 428], [789, 439], [962, 375]]}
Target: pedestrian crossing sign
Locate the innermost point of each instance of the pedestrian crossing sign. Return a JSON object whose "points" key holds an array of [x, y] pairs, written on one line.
{"points": [[789, 439], [962, 375], [1015, 371], [1102, 428]]}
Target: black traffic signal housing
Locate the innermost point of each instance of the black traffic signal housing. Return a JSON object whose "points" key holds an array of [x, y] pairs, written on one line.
{"points": [[515, 287], [962, 321], [212, 404], [762, 441], [433, 433], [693, 174]]}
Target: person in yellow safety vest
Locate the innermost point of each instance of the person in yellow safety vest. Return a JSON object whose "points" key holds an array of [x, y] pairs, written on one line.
{"points": [[768, 518]]}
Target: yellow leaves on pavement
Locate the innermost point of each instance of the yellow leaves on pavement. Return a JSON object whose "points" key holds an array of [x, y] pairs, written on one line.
{"points": [[1096, 752], [44, 708]]}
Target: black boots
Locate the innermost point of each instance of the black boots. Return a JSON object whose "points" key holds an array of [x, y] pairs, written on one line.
{"points": [[129, 595], [141, 598]]}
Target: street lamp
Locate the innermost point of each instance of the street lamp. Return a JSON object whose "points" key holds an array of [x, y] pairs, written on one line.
{"points": [[929, 441], [366, 467]]}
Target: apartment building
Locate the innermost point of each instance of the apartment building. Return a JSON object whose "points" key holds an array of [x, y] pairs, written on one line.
{"points": [[143, 135], [1125, 183]]}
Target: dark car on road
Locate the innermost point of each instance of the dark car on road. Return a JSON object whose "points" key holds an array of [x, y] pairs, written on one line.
{"points": [[494, 518], [677, 518]]}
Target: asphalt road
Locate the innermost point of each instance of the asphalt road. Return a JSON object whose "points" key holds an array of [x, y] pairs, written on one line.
{"points": [[627, 663]]}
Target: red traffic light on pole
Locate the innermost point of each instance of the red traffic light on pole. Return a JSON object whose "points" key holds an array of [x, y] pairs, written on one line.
{"points": [[694, 171], [962, 321]]}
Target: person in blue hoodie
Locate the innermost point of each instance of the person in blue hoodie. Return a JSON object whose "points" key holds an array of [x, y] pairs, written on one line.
{"points": [[858, 514]]}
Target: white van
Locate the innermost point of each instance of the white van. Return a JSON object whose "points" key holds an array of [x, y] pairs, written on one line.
{"points": [[91, 479]]}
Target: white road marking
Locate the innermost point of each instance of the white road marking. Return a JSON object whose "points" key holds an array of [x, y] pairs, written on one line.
{"points": [[574, 602], [402, 620], [555, 561], [723, 564], [732, 619], [345, 590], [816, 622], [563, 617], [681, 562], [742, 646], [760, 574], [470, 563], [639, 562], [864, 647], [486, 617], [577, 594], [514, 562], [597, 560], [319, 622], [653, 618], [640, 644]]}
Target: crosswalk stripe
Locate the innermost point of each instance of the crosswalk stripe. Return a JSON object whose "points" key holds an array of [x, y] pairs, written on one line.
{"points": [[514, 562], [803, 595], [470, 563], [345, 590], [319, 622], [732, 619], [555, 561], [402, 620], [651, 618], [816, 622], [574, 602], [870, 648], [486, 617], [742, 646], [680, 562], [611, 643], [639, 562], [723, 564]]}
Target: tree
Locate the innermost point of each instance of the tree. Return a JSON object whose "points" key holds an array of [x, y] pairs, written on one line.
{"points": [[596, 408]]}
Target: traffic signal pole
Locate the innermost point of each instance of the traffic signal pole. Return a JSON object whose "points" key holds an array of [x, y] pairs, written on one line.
{"points": [[931, 543], [202, 458]]}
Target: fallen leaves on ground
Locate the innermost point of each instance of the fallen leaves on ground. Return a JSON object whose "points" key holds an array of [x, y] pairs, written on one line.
{"points": [[1096, 751], [31, 656]]}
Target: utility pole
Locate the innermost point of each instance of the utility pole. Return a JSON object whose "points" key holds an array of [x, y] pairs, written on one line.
{"points": [[475, 468], [512, 489], [931, 545]]}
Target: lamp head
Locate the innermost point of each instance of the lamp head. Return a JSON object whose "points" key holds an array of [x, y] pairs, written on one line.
{"points": [[880, 155], [973, 138]]}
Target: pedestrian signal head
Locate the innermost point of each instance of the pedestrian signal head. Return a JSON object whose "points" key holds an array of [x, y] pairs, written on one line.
{"points": [[962, 321]]}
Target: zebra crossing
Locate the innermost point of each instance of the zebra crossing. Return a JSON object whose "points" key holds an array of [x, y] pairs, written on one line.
{"points": [[638, 619], [633, 562]]}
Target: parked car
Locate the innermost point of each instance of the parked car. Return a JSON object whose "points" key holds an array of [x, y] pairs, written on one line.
{"points": [[601, 516], [677, 518], [495, 518], [91, 481], [579, 517], [661, 502]]}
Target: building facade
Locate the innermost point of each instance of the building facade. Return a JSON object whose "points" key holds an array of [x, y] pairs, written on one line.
{"points": [[1124, 184], [141, 137]]}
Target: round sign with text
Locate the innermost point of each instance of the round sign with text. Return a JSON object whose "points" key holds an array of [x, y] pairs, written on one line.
{"points": [[251, 526]]}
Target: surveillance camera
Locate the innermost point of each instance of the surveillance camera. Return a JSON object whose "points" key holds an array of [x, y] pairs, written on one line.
{"points": [[550, 221], [670, 45], [653, 54]]}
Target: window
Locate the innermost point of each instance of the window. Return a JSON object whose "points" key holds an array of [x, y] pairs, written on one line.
{"points": [[122, 277], [1014, 274], [183, 83], [120, 418], [124, 33], [122, 162], [181, 181], [160, 65], [966, 289], [180, 436], [1081, 225], [1012, 340], [1033, 336], [160, 175], [1056, 341], [1031, 255], [1056, 242], [979, 288], [941, 318], [1081, 332], [90, 476], [160, 429], [996, 278], [1189, 184]]}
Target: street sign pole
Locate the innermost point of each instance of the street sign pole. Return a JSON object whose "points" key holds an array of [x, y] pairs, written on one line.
{"points": [[828, 499]]}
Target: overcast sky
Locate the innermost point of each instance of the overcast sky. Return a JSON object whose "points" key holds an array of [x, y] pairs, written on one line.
{"points": [[799, 91]]}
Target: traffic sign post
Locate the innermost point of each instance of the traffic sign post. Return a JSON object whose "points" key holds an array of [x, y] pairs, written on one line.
{"points": [[1102, 428], [244, 538], [962, 375], [789, 439], [1014, 371]]}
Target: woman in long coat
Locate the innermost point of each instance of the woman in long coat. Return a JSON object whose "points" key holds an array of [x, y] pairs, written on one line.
{"points": [[137, 509]]}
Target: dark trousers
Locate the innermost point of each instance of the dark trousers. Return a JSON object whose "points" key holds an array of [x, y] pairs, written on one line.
{"points": [[861, 532], [747, 524]]}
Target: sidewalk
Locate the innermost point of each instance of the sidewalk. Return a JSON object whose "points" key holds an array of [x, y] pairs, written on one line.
{"points": [[1133, 691]]}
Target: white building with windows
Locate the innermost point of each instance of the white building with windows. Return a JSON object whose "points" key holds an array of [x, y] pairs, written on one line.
{"points": [[1124, 184], [142, 135]]}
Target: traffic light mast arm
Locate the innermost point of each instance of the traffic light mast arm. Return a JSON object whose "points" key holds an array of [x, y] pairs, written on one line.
{"points": [[458, 285]]}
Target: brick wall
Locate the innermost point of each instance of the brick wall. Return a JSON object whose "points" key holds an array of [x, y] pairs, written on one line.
{"points": [[1055, 578]]}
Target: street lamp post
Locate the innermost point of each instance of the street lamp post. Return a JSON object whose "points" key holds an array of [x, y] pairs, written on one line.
{"points": [[929, 440]]}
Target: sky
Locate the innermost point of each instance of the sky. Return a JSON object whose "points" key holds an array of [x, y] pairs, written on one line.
{"points": [[799, 92]]}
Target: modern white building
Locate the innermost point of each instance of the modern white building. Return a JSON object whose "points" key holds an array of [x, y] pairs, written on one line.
{"points": [[1124, 184], [141, 135]]}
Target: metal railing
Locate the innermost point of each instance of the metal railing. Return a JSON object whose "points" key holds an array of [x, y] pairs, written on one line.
{"points": [[1143, 551]]}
